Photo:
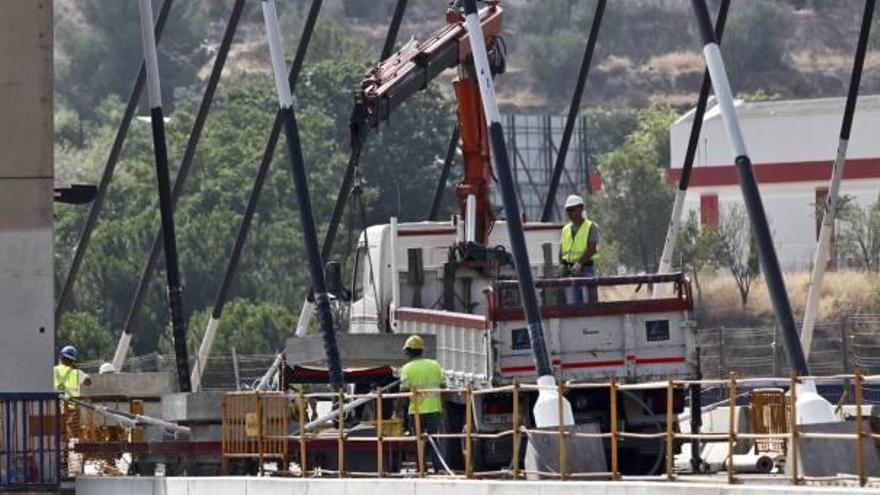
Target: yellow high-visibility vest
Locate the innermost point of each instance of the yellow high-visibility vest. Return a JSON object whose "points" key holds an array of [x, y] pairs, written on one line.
{"points": [[423, 374], [66, 380], [573, 247]]}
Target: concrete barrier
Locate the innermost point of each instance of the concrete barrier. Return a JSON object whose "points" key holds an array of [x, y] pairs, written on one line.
{"points": [[281, 486]]}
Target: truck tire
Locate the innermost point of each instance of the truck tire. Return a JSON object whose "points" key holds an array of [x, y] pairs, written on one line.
{"points": [[455, 423]]}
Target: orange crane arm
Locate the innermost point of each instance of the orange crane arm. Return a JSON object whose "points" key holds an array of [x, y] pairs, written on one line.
{"points": [[410, 70]]}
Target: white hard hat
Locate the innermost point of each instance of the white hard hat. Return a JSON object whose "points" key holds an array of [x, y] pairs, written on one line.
{"points": [[573, 200], [106, 368]]}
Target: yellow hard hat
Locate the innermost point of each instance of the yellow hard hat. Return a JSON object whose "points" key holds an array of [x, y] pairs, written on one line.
{"points": [[414, 342]]}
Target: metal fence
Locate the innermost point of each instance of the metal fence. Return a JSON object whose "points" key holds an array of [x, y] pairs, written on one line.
{"points": [[788, 434], [838, 347], [30, 442], [223, 372], [533, 144]]}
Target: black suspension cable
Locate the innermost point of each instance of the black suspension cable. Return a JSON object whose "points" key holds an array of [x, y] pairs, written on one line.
{"points": [[157, 121], [751, 194]]}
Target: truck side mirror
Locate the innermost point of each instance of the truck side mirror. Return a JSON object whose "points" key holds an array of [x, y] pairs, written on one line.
{"points": [[333, 274]]}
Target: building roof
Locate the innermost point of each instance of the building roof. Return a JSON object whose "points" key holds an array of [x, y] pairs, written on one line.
{"points": [[787, 108]]}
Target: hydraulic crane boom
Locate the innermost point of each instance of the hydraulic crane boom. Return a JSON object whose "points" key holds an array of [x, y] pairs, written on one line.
{"points": [[410, 70]]}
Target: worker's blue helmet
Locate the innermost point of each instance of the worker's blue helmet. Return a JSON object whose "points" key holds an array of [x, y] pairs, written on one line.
{"points": [[69, 352]]}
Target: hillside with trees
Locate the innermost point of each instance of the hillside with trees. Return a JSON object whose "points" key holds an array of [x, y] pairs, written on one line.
{"points": [[647, 70]]}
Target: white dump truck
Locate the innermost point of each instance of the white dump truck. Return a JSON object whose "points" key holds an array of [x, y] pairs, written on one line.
{"points": [[425, 278]]}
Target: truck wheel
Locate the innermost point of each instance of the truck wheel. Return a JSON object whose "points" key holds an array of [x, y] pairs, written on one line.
{"points": [[455, 424]]}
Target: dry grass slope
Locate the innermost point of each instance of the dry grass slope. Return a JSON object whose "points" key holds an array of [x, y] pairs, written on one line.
{"points": [[843, 293]]}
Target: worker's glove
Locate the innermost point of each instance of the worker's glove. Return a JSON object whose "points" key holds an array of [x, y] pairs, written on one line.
{"points": [[576, 269]]}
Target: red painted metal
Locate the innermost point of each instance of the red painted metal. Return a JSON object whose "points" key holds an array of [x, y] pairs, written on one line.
{"points": [[464, 320], [709, 213], [600, 309], [775, 173], [599, 364], [680, 301], [422, 231], [477, 180]]}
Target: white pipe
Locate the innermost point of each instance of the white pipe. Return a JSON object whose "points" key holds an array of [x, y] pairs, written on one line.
{"points": [[150, 60], [334, 414], [276, 53], [395, 282], [129, 418], [266, 379], [481, 64], [752, 463], [671, 236], [725, 98], [121, 351], [823, 249], [304, 320], [470, 218], [204, 351]]}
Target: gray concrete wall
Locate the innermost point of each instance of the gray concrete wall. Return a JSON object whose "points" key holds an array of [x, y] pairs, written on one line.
{"points": [[278, 486], [26, 181]]}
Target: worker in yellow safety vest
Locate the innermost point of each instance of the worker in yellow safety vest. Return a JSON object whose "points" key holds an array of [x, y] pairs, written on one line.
{"points": [[67, 380], [577, 250], [67, 377], [425, 377]]}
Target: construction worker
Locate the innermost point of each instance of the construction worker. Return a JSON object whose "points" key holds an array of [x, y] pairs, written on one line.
{"points": [[420, 374], [67, 380], [67, 377], [577, 252]]}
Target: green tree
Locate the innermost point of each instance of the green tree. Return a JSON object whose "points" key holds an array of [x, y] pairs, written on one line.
{"points": [[696, 250], [608, 127], [101, 50], [219, 184], [634, 205], [859, 236], [86, 333], [250, 327], [736, 250], [755, 37]]}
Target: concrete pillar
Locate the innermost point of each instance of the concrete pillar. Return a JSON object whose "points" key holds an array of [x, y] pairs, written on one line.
{"points": [[27, 334]]}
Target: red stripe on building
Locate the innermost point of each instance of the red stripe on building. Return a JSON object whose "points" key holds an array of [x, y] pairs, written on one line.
{"points": [[776, 173]]}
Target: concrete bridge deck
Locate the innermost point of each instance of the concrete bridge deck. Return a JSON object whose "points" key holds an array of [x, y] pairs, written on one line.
{"points": [[280, 486]]}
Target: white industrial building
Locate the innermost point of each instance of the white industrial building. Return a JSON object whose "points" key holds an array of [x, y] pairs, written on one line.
{"points": [[792, 145]]}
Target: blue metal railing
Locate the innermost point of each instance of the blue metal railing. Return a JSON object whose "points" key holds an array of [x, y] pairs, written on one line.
{"points": [[30, 439]]}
